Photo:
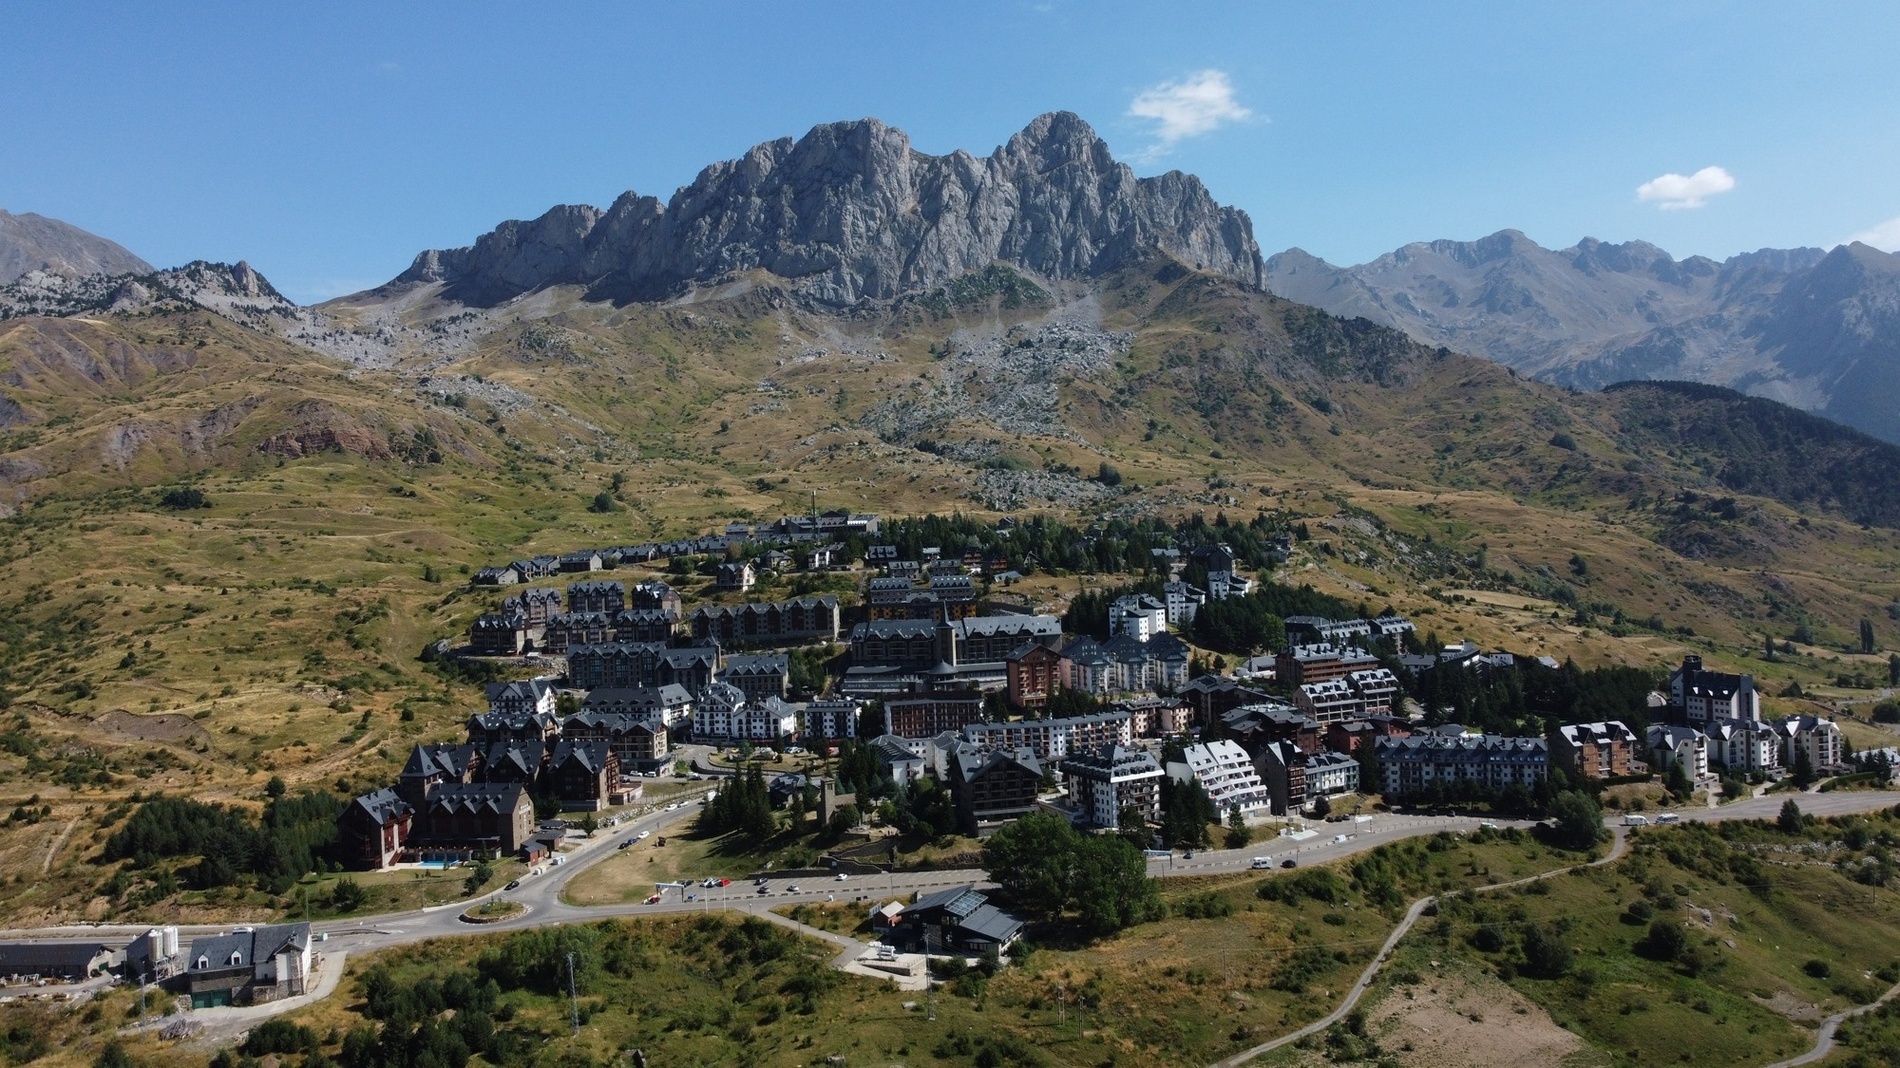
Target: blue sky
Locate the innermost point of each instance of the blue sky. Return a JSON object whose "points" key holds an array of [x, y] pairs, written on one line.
{"points": [[328, 145]]}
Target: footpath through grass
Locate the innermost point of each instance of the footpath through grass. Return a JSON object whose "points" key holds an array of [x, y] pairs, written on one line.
{"points": [[1728, 942]]}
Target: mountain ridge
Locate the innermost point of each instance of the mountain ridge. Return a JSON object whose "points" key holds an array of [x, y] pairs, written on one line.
{"points": [[1817, 329], [30, 242], [850, 212]]}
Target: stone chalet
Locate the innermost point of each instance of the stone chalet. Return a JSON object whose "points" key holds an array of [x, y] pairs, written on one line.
{"points": [[608, 597], [993, 788], [758, 676], [1272, 720], [638, 740], [491, 818], [584, 775], [373, 829], [1605, 750], [249, 966], [735, 577], [800, 619]]}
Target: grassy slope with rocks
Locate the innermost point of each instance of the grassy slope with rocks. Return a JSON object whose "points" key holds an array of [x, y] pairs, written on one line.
{"points": [[276, 632]]}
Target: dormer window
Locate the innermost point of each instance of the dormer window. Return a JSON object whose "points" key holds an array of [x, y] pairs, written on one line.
{"points": [[204, 962], [236, 958]]}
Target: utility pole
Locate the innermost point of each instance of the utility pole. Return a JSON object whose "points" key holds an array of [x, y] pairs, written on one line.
{"points": [[573, 998]]}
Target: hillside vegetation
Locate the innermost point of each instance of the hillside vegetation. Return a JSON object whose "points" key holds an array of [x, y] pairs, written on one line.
{"points": [[152, 644]]}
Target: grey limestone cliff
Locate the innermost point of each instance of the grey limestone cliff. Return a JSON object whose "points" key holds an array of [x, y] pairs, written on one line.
{"points": [[851, 211]]}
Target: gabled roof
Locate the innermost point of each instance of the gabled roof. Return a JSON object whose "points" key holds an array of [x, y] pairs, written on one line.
{"points": [[256, 944], [382, 807], [590, 757]]}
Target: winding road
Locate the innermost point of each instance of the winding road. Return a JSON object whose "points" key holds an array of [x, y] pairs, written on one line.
{"points": [[541, 898]]}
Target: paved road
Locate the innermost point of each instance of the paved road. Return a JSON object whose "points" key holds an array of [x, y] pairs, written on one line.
{"points": [[541, 895]]}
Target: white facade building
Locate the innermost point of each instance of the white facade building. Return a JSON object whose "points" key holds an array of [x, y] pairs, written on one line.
{"points": [[1138, 615], [1226, 772]]}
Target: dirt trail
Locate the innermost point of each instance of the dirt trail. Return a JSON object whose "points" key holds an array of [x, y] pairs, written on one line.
{"points": [[1619, 842], [53, 847]]}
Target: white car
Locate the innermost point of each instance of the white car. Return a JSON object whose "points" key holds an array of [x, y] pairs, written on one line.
{"points": [[642, 836], [672, 806], [841, 876]]}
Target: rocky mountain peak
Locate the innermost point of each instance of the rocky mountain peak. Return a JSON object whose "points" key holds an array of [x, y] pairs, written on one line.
{"points": [[851, 212], [30, 242]]}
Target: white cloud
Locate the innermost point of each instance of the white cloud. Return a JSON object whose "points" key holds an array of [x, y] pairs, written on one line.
{"points": [[1197, 104], [1884, 236], [1675, 191]]}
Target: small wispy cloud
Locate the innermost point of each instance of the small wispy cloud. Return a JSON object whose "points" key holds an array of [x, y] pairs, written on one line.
{"points": [[1197, 104], [1883, 236], [1674, 192]]}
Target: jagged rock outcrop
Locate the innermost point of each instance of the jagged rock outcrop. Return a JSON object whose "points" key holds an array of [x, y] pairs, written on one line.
{"points": [[850, 211], [235, 291], [1817, 330], [30, 242]]}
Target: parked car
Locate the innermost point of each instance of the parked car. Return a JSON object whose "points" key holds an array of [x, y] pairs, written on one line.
{"points": [[654, 900], [515, 885], [841, 876], [792, 889], [1289, 863], [643, 836]]}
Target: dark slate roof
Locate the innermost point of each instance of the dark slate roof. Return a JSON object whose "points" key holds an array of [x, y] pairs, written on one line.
{"points": [[258, 943], [591, 756], [49, 956], [476, 796], [382, 806], [764, 664]]}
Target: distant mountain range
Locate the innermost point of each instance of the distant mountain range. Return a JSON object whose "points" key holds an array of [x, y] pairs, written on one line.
{"points": [[32, 242], [1819, 330]]}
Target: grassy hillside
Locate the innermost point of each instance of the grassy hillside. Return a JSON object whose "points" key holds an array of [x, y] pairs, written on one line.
{"points": [[1771, 932], [276, 632]]}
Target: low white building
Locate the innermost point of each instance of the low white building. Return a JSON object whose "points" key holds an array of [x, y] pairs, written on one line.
{"points": [[1139, 615], [1225, 772], [1329, 773], [905, 757], [1819, 738], [1744, 746], [723, 714], [1103, 784], [1669, 745]]}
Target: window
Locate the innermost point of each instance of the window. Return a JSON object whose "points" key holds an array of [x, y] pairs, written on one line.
{"points": [[236, 958], [204, 962]]}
